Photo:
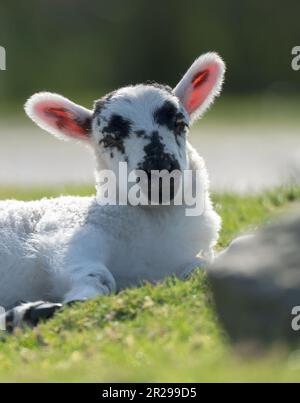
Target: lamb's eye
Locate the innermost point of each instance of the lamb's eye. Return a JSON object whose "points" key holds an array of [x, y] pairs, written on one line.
{"points": [[180, 126]]}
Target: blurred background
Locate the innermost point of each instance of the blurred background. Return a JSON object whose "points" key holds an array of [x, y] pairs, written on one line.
{"points": [[83, 49]]}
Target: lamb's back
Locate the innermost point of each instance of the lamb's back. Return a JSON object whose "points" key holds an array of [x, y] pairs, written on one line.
{"points": [[25, 217]]}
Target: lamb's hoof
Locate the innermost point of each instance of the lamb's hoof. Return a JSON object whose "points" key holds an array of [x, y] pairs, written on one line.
{"points": [[30, 313]]}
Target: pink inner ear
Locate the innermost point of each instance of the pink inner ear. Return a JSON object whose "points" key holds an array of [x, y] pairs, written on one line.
{"points": [[57, 116], [201, 87]]}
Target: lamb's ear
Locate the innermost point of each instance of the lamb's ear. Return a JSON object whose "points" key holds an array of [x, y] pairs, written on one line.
{"points": [[59, 116], [200, 84]]}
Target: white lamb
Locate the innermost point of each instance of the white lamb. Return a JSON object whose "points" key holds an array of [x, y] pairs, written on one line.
{"points": [[73, 248]]}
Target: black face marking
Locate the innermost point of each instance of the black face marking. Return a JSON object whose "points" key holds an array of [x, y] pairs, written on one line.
{"points": [[169, 116], [115, 132], [157, 159], [118, 126], [165, 115], [155, 147]]}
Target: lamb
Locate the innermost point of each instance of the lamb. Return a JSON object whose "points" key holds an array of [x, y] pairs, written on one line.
{"points": [[56, 251]]}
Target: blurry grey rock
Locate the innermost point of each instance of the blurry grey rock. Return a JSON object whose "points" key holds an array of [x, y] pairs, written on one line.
{"points": [[256, 283]]}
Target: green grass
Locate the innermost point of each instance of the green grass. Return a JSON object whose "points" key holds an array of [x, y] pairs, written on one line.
{"points": [[167, 332]]}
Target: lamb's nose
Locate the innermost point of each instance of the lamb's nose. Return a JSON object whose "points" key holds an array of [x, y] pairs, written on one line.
{"points": [[161, 163]]}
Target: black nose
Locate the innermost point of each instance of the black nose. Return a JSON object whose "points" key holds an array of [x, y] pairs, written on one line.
{"points": [[159, 163]]}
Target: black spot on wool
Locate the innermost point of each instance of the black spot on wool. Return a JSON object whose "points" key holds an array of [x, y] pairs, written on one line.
{"points": [[155, 148], [115, 132], [165, 115], [118, 126], [169, 116]]}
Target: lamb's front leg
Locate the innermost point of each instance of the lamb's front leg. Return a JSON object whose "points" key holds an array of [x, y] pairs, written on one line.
{"points": [[29, 313], [86, 282]]}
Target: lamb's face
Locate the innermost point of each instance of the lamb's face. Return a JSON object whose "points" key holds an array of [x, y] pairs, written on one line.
{"points": [[143, 125]]}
